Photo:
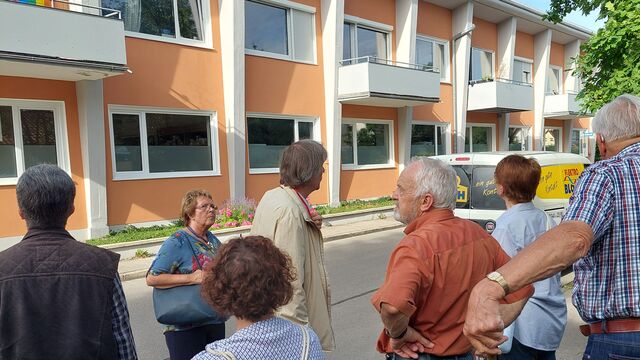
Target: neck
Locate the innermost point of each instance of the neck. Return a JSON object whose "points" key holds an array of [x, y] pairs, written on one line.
{"points": [[303, 190], [198, 229], [614, 147], [509, 203], [243, 323]]}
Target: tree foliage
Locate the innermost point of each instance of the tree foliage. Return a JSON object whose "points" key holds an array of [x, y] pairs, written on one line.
{"points": [[609, 63]]}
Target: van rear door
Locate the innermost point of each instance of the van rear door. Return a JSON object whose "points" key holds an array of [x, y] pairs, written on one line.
{"points": [[485, 204], [463, 197]]}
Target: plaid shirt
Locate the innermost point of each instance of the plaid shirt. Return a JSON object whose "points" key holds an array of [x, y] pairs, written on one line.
{"points": [[607, 197], [121, 325]]}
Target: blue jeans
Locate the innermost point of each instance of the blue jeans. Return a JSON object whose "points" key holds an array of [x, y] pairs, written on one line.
{"points": [[183, 345], [394, 356], [618, 346], [523, 352]]}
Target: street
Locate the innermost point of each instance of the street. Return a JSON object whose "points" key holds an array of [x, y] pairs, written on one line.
{"points": [[356, 268]]}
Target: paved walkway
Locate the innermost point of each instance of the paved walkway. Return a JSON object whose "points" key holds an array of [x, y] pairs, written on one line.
{"points": [[130, 269]]}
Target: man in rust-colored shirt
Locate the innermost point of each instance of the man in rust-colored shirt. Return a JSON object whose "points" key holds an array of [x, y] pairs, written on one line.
{"points": [[423, 299]]}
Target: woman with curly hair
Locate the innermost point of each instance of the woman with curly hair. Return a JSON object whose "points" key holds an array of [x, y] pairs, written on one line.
{"points": [[251, 278]]}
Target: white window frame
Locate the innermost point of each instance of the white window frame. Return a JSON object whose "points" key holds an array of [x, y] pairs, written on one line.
{"points": [[390, 164], [446, 132], [560, 145], [141, 112], [446, 69], [207, 30], [297, 119], [528, 132], [524, 60], [288, 6], [493, 62], [493, 134], [560, 80], [60, 126], [354, 22]]}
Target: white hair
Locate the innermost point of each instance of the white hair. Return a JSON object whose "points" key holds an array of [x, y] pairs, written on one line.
{"points": [[437, 178], [619, 119]]}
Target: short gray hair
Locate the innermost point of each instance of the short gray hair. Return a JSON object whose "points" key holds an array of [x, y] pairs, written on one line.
{"points": [[437, 178], [45, 196], [301, 161], [619, 119]]}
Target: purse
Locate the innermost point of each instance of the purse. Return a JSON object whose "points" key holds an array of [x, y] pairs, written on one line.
{"points": [[183, 305]]}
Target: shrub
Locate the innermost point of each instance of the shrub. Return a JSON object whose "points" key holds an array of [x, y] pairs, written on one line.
{"points": [[234, 213]]}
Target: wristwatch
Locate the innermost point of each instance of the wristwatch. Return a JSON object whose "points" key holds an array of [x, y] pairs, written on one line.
{"points": [[399, 336], [497, 277]]}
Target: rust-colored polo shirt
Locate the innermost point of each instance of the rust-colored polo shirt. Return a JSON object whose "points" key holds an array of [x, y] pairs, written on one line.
{"points": [[431, 273]]}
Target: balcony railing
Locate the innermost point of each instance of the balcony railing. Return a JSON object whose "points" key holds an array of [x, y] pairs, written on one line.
{"points": [[502, 80], [373, 81], [66, 5], [500, 95]]}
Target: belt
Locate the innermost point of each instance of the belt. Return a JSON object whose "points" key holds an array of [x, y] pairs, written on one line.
{"points": [[611, 326]]}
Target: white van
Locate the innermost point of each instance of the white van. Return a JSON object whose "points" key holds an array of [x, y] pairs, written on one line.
{"points": [[477, 195]]}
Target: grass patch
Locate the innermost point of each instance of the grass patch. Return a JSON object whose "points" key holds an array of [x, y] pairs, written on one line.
{"points": [[353, 205], [132, 233], [141, 254]]}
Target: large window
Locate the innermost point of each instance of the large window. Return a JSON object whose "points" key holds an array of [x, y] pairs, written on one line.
{"points": [[269, 135], [367, 144], [283, 29], [162, 143], [522, 71], [554, 81], [552, 139], [579, 142], [479, 138], [433, 53], [428, 140], [481, 66], [360, 40], [519, 138], [184, 21], [31, 133]]}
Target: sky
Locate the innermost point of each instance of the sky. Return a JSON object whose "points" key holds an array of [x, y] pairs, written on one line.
{"points": [[575, 17]]}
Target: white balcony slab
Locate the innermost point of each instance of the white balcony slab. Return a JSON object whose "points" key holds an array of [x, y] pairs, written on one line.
{"points": [[500, 96], [562, 107]]}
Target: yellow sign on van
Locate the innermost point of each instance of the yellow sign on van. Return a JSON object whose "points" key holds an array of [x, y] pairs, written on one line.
{"points": [[463, 192], [558, 181]]}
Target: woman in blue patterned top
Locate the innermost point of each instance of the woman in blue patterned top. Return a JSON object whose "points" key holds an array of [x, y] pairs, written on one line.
{"points": [[176, 265], [251, 278]]}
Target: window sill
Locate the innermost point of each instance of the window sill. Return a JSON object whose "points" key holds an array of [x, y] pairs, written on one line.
{"points": [[173, 175], [170, 40], [13, 181], [264, 171], [269, 55], [368, 167]]}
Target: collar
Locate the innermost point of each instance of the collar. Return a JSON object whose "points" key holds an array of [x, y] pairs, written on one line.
{"points": [[630, 148], [296, 199], [50, 233], [522, 207], [431, 216]]}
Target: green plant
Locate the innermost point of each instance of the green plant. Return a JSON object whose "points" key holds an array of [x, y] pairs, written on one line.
{"points": [[142, 253], [236, 212]]}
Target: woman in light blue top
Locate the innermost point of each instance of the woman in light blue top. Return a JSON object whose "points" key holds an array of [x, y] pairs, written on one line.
{"points": [[250, 278], [538, 330]]}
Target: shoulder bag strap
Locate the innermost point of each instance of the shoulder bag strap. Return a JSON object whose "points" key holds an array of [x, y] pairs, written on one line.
{"points": [[193, 251], [225, 354], [305, 343]]}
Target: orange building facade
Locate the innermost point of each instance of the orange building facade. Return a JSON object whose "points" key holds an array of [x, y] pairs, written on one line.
{"points": [[140, 105]]}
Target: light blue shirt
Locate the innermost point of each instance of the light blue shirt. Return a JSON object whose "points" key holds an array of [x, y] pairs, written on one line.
{"points": [[542, 321]]}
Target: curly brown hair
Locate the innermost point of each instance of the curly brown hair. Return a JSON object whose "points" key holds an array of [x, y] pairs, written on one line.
{"points": [[249, 278]]}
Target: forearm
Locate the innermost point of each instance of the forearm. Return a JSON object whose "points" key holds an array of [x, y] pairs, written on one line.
{"points": [[394, 321], [165, 281], [509, 312], [550, 253]]}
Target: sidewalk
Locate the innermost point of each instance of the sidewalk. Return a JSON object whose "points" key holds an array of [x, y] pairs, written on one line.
{"points": [[130, 269]]}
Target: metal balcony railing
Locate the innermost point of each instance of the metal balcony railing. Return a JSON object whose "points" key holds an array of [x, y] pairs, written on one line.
{"points": [[66, 5], [502, 80], [377, 60]]}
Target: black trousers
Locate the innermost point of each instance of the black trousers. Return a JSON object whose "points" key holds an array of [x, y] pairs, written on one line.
{"points": [[183, 345]]}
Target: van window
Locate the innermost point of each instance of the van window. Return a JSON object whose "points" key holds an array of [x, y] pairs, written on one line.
{"points": [[464, 181], [484, 194], [557, 182]]}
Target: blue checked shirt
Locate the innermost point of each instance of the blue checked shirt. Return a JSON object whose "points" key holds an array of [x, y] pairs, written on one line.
{"points": [[121, 325], [607, 197]]}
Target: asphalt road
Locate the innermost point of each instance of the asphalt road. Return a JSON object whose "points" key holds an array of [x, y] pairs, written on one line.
{"points": [[356, 268]]}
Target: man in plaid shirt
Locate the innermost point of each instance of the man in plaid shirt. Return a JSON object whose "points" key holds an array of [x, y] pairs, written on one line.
{"points": [[601, 231]]}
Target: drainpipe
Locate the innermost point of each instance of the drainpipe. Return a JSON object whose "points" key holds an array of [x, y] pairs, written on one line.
{"points": [[455, 38]]}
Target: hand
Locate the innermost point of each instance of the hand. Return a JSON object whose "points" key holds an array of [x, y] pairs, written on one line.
{"points": [[317, 219], [196, 277], [483, 325], [411, 344]]}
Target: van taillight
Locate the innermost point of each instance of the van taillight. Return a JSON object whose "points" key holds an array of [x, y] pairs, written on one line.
{"points": [[463, 158]]}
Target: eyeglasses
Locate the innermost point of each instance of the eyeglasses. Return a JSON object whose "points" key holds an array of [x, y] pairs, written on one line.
{"points": [[207, 207]]}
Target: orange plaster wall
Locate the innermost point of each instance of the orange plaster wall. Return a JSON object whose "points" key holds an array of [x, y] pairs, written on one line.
{"points": [[524, 45], [485, 36], [382, 11], [583, 123], [167, 76], [288, 88], [522, 118], [440, 111], [554, 123], [362, 184], [556, 56], [39, 89]]}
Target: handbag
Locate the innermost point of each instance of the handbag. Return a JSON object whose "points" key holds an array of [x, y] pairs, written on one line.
{"points": [[183, 305]]}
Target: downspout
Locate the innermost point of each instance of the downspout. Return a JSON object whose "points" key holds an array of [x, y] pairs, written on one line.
{"points": [[455, 38]]}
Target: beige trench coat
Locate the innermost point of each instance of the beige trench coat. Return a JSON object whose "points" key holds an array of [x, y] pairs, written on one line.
{"points": [[282, 217]]}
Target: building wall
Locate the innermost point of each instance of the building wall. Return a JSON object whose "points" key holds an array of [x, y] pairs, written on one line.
{"points": [[51, 90], [171, 76]]}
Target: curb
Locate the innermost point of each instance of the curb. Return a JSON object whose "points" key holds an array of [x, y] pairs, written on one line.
{"points": [[137, 274]]}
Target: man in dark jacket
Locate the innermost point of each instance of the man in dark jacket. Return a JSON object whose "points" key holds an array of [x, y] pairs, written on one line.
{"points": [[59, 298]]}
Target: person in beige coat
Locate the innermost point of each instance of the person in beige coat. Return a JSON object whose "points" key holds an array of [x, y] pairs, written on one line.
{"points": [[285, 216]]}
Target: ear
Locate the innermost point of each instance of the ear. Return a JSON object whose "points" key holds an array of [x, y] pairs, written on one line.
{"points": [[499, 189], [73, 209], [427, 203], [600, 142], [21, 214]]}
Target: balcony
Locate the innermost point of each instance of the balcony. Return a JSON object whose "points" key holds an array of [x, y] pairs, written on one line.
{"points": [[70, 41], [377, 82], [562, 106], [500, 96]]}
